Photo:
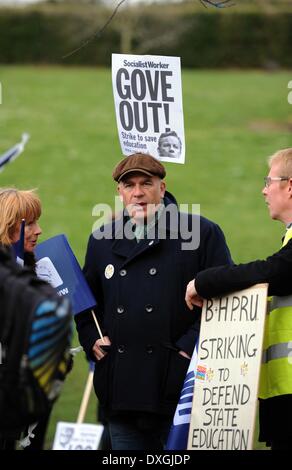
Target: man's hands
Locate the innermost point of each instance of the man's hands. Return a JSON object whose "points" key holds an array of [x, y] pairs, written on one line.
{"points": [[99, 353], [192, 297], [184, 354], [97, 348]]}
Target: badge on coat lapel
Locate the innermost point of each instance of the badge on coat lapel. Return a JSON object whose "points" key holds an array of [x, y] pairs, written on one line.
{"points": [[109, 271]]}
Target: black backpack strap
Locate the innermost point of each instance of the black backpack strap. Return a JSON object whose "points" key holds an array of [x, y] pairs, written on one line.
{"points": [[16, 322]]}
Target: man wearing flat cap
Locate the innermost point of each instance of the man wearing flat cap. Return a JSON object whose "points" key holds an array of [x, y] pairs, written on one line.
{"points": [[138, 276]]}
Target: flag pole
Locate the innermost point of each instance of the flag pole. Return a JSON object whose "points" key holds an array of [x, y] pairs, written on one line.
{"points": [[13, 153], [97, 326], [89, 383], [85, 398]]}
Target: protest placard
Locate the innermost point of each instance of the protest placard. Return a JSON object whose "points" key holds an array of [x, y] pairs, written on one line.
{"points": [[148, 102], [74, 436], [227, 373]]}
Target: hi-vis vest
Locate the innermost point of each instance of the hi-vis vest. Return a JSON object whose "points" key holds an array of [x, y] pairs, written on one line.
{"points": [[276, 369]]}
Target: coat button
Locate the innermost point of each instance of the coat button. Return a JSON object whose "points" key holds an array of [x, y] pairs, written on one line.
{"points": [[123, 272], [149, 349], [152, 271], [149, 308], [120, 309], [121, 349]]}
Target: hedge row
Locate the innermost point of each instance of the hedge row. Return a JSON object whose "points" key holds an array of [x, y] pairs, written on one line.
{"points": [[200, 39]]}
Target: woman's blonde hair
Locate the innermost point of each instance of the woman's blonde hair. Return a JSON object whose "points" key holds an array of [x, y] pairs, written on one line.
{"points": [[16, 205]]}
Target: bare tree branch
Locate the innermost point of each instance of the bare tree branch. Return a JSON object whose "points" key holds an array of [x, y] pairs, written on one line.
{"points": [[97, 33], [217, 4], [214, 3]]}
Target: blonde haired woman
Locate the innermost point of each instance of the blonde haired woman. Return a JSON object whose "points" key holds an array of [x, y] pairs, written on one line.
{"points": [[16, 205]]}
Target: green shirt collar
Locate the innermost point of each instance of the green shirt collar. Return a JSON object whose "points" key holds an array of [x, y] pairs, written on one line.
{"points": [[141, 231]]}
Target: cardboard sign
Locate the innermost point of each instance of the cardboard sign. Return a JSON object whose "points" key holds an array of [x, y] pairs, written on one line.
{"points": [[148, 102], [227, 374], [73, 436]]}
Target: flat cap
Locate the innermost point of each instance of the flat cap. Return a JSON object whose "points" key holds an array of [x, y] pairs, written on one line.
{"points": [[141, 163]]}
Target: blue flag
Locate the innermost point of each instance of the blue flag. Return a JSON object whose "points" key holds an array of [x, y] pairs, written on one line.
{"points": [[91, 366], [18, 247], [179, 431], [13, 153], [57, 265]]}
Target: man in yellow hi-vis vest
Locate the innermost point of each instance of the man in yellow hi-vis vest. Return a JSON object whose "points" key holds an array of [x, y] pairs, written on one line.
{"points": [[276, 372]]}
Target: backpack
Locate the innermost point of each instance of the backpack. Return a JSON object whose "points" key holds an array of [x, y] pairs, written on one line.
{"points": [[35, 335]]}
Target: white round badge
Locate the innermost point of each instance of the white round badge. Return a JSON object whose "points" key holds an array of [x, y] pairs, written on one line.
{"points": [[109, 271]]}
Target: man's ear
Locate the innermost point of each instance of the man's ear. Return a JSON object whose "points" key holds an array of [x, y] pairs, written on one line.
{"points": [[119, 192], [162, 188]]}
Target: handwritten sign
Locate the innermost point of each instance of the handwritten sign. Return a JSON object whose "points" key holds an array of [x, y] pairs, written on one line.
{"points": [[227, 374], [148, 102]]}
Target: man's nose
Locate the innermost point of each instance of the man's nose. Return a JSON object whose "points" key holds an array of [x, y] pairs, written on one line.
{"points": [[138, 190], [264, 191]]}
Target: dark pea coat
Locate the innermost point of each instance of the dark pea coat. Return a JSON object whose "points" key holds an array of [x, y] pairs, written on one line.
{"points": [[140, 290]]}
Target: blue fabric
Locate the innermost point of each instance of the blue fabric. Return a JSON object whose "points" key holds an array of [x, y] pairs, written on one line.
{"points": [[178, 436], [55, 258], [13, 152]]}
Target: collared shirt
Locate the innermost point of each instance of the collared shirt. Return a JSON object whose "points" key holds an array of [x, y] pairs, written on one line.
{"points": [[286, 236], [142, 231]]}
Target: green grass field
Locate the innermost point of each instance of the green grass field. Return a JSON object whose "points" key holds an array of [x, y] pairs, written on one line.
{"points": [[233, 121]]}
